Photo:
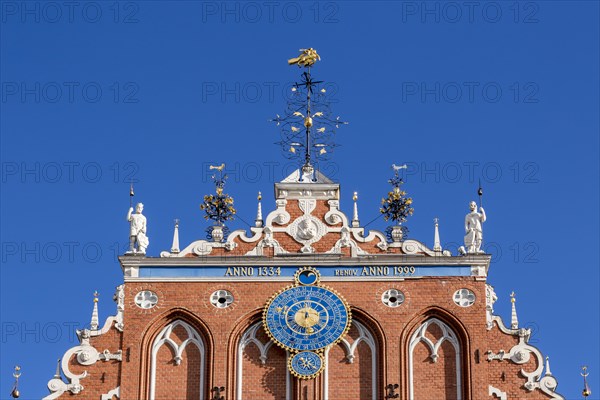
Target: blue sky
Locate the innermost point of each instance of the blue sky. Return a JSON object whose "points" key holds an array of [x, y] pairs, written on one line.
{"points": [[97, 94]]}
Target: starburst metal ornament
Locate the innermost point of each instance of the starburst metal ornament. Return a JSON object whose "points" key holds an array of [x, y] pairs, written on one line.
{"points": [[219, 206], [396, 206], [308, 126]]}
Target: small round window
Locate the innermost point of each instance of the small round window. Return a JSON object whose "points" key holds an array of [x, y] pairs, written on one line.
{"points": [[464, 297], [392, 298], [221, 298], [146, 299]]}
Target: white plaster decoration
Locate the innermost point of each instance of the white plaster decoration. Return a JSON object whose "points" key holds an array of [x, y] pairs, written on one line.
{"points": [[521, 354], [204, 247], [355, 220], [221, 298], [359, 236], [119, 298], [346, 241], [146, 299], [107, 355], [478, 271], [175, 244], [497, 392], [437, 246], [249, 337], [85, 354], [279, 216], [164, 338], [490, 299], [94, 321], [392, 298], [258, 221], [115, 392], [464, 297], [57, 386], [415, 247], [307, 230], [447, 335], [514, 320], [474, 229], [364, 335], [137, 231], [501, 355], [334, 216]]}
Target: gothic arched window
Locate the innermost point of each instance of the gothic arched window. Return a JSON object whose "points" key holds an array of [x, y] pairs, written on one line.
{"points": [[434, 362], [178, 355]]}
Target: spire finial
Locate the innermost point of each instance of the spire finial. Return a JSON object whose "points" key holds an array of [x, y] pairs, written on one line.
{"points": [[514, 321], [355, 221], [15, 394], [57, 373], [548, 372], [175, 245], [586, 389], [94, 321], [259, 218], [437, 246], [308, 128]]}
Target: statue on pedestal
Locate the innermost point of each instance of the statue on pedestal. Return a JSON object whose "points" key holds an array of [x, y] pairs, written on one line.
{"points": [[473, 229], [137, 230]]}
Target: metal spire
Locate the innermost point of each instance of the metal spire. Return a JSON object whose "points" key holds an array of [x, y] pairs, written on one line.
{"points": [[15, 394], [307, 128], [355, 221], [94, 321], [175, 245], [514, 321], [437, 246], [586, 389]]}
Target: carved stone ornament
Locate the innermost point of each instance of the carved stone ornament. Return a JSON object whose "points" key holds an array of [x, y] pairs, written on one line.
{"points": [[520, 354], [307, 230]]}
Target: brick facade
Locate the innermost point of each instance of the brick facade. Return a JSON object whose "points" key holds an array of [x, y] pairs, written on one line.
{"points": [[382, 347]]}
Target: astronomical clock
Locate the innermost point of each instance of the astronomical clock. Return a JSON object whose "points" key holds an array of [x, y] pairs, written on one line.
{"points": [[305, 319]]}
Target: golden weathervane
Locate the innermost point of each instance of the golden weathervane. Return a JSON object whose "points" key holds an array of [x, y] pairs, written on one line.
{"points": [[306, 59]]}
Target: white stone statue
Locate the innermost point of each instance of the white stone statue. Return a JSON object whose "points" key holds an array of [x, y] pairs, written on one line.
{"points": [[473, 229], [137, 230]]}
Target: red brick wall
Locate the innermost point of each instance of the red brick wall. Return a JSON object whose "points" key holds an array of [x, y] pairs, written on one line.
{"points": [[264, 381], [178, 381], [392, 328]]}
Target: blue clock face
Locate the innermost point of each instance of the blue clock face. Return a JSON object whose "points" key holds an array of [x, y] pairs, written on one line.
{"points": [[306, 318], [306, 364]]}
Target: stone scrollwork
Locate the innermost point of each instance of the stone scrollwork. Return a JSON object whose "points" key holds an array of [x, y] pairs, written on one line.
{"points": [[520, 354], [416, 247], [493, 391]]}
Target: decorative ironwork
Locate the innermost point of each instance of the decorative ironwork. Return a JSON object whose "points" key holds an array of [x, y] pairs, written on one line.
{"points": [[216, 391], [396, 207], [218, 207], [308, 126], [391, 391]]}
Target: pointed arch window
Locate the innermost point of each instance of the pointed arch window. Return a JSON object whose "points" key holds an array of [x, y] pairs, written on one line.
{"points": [[363, 336], [445, 334], [187, 336], [255, 336]]}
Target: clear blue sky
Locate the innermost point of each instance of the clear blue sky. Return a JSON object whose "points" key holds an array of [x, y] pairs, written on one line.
{"points": [[102, 92]]}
